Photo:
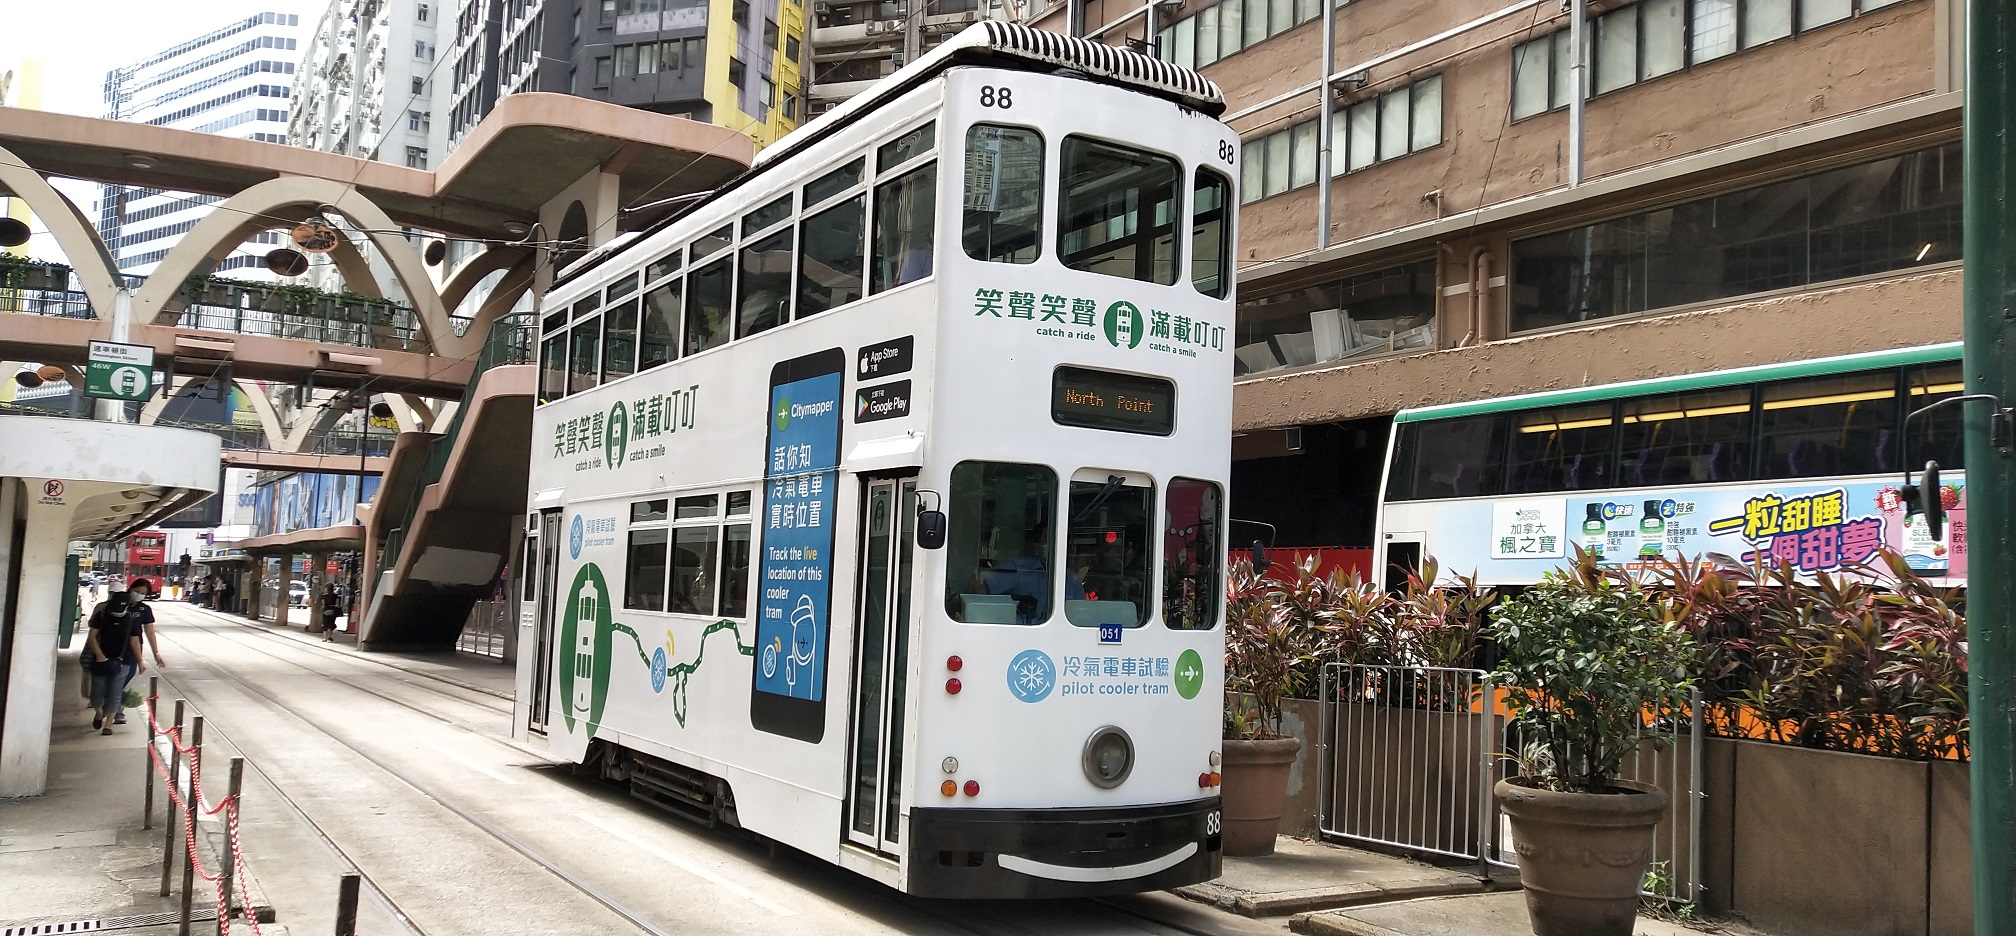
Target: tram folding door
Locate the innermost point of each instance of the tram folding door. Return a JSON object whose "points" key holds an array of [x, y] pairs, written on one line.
{"points": [[549, 539], [881, 662]]}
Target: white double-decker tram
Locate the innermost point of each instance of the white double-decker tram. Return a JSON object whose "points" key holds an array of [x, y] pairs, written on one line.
{"points": [[878, 500]]}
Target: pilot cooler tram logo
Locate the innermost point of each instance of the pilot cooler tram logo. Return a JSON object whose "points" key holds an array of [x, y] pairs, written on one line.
{"points": [[1031, 676], [577, 534], [585, 637]]}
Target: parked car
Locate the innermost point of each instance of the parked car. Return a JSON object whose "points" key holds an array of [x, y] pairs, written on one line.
{"points": [[297, 594]]}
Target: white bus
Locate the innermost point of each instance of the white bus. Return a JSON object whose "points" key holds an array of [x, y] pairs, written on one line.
{"points": [[878, 500], [1798, 463]]}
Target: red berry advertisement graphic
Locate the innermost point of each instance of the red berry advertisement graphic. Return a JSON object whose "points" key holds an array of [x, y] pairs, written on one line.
{"points": [[1949, 496]]}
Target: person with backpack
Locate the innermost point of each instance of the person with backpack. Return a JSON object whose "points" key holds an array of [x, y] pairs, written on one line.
{"points": [[332, 608], [111, 646]]}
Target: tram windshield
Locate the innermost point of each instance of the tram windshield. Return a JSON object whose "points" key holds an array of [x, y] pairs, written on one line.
{"points": [[1106, 555]]}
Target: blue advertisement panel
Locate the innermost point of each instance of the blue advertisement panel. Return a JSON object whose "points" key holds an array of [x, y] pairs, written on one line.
{"points": [[1812, 526], [308, 501], [797, 557]]}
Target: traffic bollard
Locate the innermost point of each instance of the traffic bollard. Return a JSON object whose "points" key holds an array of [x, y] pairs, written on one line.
{"points": [[230, 854], [346, 906], [192, 801], [147, 807], [168, 809]]}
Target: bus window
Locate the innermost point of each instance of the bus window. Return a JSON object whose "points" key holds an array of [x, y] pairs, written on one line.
{"points": [[1193, 545], [553, 368], [644, 572], [1449, 458], [1119, 211], [1828, 426], [707, 298], [658, 340], [765, 284], [1565, 449], [904, 209], [1107, 552], [1004, 194], [1211, 249], [999, 549], [1689, 438], [586, 356], [1935, 437], [830, 256], [619, 341]]}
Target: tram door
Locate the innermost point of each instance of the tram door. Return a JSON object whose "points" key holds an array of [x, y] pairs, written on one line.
{"points": [[881, 660], [547, 573]]}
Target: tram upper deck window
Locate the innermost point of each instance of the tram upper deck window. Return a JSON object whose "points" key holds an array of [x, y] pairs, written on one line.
{"points": [[904, 210], [765, 284], [664, 266], [1107, 551], [1210, 245], [658, 336], [713, 242], [830, 257], [1000, 547], [1689, 438], [1193, 549], [708, 310], [1004, 194], [1837, 425], [553, 368], [1118, 211], [1448, 458], [619, 340], [586, 355]]}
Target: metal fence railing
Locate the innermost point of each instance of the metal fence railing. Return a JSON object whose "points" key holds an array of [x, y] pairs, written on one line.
{"points": [[484, 632], [1409, 755]]}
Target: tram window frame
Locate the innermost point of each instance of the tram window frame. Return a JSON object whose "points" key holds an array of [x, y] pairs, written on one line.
{"points": [[1220, 233], [647, 550], [753, 313], [1096, 560], [906, 146], [553, 366], [911, 192], [979, 515], [619, 322], [1095, 198], [664, 266], [772, 213], [671, 311], [980, 229], [846, 178], [1203, 553], [720, 328], [712, 242], [822, 229], [584, 375], [623, 286], [722, 541]]}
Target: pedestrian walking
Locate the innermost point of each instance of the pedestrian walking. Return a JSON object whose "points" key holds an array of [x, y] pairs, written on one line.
{"points": [[110, 646], [332, 607], [141, 617]]}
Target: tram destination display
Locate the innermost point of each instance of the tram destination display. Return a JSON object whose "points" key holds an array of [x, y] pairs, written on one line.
{"points": [[1096, 399]]}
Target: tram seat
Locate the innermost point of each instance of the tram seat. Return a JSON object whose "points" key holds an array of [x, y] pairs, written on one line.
{"points": [[1088, 613], [987, 609]]}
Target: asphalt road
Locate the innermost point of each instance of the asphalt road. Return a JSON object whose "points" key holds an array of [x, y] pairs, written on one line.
{"points": [[414, 783]]}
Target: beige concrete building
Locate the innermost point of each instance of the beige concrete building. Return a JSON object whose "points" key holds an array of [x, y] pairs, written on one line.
{"points": [[1762, 181]]}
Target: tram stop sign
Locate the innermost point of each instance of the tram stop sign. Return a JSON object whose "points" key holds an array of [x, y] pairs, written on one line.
{"points": [[119, 371]]}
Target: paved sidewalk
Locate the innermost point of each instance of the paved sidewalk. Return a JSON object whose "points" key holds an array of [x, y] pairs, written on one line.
{"points": [[1496, 914], [472, 672], [1307, 875]]}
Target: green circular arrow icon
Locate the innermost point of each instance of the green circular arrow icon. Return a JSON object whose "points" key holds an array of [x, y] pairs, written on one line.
{"points": [[1189, 674]]}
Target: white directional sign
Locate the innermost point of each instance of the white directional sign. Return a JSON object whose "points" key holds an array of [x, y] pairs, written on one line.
{"points": [[119, 371]]}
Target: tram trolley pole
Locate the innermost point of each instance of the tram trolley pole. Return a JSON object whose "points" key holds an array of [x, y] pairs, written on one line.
{"points": [[192, 801], [168, 809]]}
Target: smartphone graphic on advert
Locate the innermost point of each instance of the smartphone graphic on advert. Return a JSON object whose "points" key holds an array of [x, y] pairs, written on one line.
{"points": [[794, 568]]}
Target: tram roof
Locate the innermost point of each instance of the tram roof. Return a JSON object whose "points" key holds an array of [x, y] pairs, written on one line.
{"points": [[991, 42], [1682, 383]]}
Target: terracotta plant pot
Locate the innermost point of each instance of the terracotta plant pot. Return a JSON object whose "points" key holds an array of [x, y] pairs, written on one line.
{"points": [[1582, 856], [1256, 784]]}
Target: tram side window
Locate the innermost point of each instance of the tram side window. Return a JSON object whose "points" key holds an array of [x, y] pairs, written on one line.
{"points": [[553, 368], [1004, 194], [765, 284], [1119, 211], [904, 210], [1937, 436], [658, 338], [693, 557], [707, 308], [1000, 545], [831, 255], [619, 341], [644, 572], [1563, 449], [1209, 240], [735, 570], [1449, 458], [1193, 547], [586, 355], [1828, 426], [1689, 438], [1107, 552]]}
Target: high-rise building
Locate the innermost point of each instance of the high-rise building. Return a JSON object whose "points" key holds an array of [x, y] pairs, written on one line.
{"points": [[234, 81], [1748, 182], [856, 43], [367, 85]]}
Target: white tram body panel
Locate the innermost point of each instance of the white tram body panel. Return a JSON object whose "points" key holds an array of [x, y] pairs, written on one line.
{"points": [[950, 369]]}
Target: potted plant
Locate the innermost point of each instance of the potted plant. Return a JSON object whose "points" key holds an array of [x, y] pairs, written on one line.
{"points": [[1268, 647], [1586, 656]]}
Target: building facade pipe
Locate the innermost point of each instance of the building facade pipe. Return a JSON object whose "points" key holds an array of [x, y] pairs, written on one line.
{"points": [[1988, 247], [1325, 114], [1074, 17], [1119, 22], [1578, 12]]}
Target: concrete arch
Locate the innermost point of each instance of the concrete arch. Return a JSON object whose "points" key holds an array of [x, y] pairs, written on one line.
{"points": [[516, 282], [471, 273], [151, 413], [263, 206], [262, 407], [80, 243], [417, 416]]}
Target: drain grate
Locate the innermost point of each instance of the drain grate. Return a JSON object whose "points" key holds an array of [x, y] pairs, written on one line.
{"points": [[107, 924]]}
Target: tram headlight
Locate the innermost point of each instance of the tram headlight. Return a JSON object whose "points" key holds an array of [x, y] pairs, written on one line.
{"points": [[1109, 757]]}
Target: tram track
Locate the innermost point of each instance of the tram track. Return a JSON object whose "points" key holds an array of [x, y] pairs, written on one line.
{"points": [[977, 922]]}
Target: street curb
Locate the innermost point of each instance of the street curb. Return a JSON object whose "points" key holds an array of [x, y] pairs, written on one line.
{"points": [[286, 634], [1283, 903], [1330, 924]]}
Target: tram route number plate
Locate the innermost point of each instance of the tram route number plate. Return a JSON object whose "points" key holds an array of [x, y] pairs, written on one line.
{"points": [[1110, 633]]}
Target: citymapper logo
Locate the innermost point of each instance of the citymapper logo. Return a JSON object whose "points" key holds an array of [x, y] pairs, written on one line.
{"points": [[783, 415], [1123, 324], [615, 436], [576, 534]]}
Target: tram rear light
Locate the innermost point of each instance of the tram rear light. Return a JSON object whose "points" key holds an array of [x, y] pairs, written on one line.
{"points": [[972, 788], [949, 787], [1216, 778], [1204, 780], [1112, 537], [952, 685], [954, 664]]}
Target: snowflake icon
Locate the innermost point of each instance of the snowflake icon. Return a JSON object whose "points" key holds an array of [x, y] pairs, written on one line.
{"points": [[1031, 675]]}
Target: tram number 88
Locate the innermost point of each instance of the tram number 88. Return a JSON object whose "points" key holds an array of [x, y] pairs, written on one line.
{"points": [[991, 96]]}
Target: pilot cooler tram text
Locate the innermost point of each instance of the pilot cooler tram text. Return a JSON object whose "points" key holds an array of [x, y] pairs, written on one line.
{"points": [[878, 501]]}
